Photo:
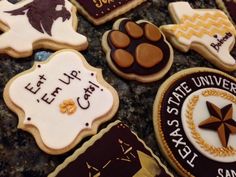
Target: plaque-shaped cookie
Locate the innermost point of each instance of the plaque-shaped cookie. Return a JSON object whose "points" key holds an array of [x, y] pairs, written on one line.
{"points": [[59, 100]]}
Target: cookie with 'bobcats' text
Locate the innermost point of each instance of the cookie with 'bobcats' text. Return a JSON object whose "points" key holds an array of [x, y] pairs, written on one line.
{"points": [[207, 31], [195, 122], [137, 50]]}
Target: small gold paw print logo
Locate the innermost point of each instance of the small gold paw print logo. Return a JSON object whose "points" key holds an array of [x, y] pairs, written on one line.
{"points": [[68, 106]]}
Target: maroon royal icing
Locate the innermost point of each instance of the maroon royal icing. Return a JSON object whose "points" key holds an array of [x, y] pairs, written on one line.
{"points": [[100, 8], [114, 154], [136, 68], [42, 13], [195, 162]]}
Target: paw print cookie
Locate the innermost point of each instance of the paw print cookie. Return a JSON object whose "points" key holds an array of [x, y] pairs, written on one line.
{"points": [[137, 50]]}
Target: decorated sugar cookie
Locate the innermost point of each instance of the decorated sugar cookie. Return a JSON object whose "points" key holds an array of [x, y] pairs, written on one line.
{"points": [[33, 24], [207, 31], [116, 152], [101, 11], [195, 122], [59, 101], [137, 50]]}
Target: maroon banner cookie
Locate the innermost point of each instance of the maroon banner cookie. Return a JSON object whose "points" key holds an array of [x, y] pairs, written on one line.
{"points": [[116, 152], [137, 50], [195, 122], [101, 11]]}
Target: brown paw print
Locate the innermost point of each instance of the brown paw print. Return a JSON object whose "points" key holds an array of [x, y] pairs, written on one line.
{"points": [[138, 49]]}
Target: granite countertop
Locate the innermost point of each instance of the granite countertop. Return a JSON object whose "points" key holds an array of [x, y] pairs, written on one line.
{"points": [[19, 154]]}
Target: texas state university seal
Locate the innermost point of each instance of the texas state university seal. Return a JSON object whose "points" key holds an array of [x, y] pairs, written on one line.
{"points": [[195, 122]]}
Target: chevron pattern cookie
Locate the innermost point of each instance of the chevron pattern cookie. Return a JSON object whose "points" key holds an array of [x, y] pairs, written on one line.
{"points": [[200, 25], [208, 31]]}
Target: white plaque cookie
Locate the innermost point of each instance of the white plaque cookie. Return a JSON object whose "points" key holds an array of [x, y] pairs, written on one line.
{"points": [[60, 101]]}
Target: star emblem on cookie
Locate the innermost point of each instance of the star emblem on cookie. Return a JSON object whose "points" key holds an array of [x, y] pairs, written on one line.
{"points": [[220, 120]]}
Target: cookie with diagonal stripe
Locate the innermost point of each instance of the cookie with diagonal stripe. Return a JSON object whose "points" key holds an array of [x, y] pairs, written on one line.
{"points": [[207, 31], [114, 152]]}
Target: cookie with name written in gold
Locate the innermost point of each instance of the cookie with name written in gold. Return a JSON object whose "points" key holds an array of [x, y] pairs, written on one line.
{"points": [[115, 151], [137, 50], [195, 122], [59, 101], [101, 11], [207, 31]]}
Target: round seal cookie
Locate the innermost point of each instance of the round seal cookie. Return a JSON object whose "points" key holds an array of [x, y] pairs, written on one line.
{"points": [[195, 122], [137, 50], [59, 100]]}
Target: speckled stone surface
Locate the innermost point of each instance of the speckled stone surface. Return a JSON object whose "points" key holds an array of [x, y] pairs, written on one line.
{"points": [[19, 154]]}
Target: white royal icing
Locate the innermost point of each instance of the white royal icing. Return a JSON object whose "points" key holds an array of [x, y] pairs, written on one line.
{"points": [[218, 25], [56, 129], [21, 34], [201, 113]]}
